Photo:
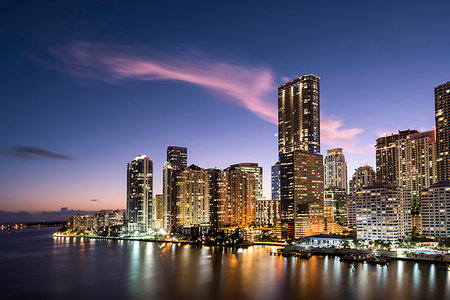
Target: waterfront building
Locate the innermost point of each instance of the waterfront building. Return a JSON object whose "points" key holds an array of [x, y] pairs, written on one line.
{"points": [[302, 193], [177, 156], [442, 118], [436, 211], [190, 193], [267, 212], [106, 219], [301, 167], [159, 211], [81, 224], [335, 169], [214, 200], [140, 194], [299, 115], [335, 205], [363, 176], [383, 212], [275, 181], [237, 198], [254, 169]]}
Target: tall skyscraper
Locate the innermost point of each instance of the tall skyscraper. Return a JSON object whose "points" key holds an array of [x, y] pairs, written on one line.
{"points": [[335, 170], [276, 181], [363, 176], [214, 201], [158, 211], [254, 169], [301, 168], [442, 117], [140, 194], [190, 194], [299, 115], [177, 157], [335, 205]]}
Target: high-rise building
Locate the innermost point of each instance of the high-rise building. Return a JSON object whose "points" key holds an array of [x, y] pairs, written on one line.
{"points": [[436, 211], [214, 201], [190, 194], [301, 168], [254, 169], [299, 115], [335, 205], [140, 194], [383, 212], [237, 198], [177, 157], [159, 211], [387, 155], [442, 117], [335, 169], [267, 212], [302, 193], [276, 181], [363, 176]]}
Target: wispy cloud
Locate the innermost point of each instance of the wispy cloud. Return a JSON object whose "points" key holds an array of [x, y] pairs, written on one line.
{"points": [[95, 200], [27, 152], [249, 87]]}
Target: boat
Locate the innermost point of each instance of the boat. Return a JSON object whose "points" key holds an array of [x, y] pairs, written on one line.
{"points": [[378, 259], [353, 258], [304, 254]]}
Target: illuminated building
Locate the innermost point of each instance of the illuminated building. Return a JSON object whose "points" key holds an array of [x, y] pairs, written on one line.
{"points": [[104, 219], [436, 211], [335, 169], [267, 212], [254, 169], [140, 194], [190, 193], [299, 115], [81, 223], [177, 156], [383, 212], [363, 176], [214, 201], [335, 205], [159, 211], [237, 198], [442, 118], [275, 181]]}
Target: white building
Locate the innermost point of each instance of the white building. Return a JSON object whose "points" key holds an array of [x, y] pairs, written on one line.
{"points": [[436, 210], [335, 169], [383, 212]]}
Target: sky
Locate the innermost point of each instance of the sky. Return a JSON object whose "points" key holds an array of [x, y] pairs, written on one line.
{"points": [[88, 85]]}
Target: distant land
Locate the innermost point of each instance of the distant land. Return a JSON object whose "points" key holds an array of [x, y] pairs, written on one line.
{"points": [[24, 217]]}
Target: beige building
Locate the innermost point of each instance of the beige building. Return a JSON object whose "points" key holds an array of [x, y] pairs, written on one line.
{"points": [[335, 169], [267, 212]]}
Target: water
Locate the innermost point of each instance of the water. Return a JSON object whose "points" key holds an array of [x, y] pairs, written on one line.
{"points": [[34, 265]]}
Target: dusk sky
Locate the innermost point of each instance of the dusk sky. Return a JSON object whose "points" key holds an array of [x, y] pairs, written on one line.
{"points": [[88, 85]]}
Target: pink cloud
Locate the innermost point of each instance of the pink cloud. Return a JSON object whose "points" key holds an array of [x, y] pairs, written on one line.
{"points": [[251, 88]]}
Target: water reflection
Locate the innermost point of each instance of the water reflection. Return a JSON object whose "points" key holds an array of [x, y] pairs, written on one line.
{"points": [[72, 268]]}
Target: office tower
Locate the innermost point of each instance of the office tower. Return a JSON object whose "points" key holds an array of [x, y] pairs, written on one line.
{"points": [[254, 169], [267, 212], [302, 194], [383, 212], [237, 198], [436, 211], [177, 156], [214, 210], [387, 155], [276, 181], [301, 185], [335, 205], [176, 159], [159, 211], [299, 115], [363, 176], [190, 194], [140, 194], [442, 118], [335, 169]]}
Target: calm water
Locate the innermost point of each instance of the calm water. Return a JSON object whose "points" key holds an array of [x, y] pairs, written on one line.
{"points": [[34, 265]]}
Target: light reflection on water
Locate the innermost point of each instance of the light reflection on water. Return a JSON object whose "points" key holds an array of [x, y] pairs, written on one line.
{"points": [[35, 265]]}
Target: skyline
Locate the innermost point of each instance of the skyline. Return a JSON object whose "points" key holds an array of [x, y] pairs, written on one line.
{"points": [[82, 140]]}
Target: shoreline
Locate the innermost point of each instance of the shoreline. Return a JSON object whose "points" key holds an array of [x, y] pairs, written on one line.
{"points": [[316, 251]]}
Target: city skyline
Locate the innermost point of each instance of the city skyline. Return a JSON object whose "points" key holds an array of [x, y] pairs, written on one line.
{"points": [[79, 138]]}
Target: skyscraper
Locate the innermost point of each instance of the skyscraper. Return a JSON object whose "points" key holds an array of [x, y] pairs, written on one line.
{"points": [[442, 117], [140, 194], [335, 170], [299, 115], [190, 194], [276, 181], [254, 169], [363, 176], [177, 156], [436, 211], [301, 168]]}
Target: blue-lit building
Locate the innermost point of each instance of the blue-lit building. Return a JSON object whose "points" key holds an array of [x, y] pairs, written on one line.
{"points": [[276, 181]]}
